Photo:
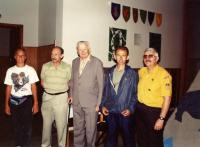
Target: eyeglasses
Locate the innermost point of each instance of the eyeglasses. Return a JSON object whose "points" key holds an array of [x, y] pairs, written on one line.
{"points": [[148, 56]]}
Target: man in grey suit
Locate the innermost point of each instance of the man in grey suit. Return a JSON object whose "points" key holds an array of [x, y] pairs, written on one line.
{"points": [[86, 94]]}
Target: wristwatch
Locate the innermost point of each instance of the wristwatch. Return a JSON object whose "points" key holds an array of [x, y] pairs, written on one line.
{"points": [[161, 118]]}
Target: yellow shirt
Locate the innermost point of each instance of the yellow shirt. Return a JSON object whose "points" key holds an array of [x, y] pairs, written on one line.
{"points": [[154, 86]]}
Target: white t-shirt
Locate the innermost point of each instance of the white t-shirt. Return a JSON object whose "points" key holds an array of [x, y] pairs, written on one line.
{"points": [[21, 78]]}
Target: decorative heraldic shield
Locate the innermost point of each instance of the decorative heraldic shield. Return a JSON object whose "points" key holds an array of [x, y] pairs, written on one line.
{"points": [[115, 10], [135, 14], [126, 13]]}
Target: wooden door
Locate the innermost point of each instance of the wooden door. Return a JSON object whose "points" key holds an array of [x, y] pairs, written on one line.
{"points": [[14, 40]]}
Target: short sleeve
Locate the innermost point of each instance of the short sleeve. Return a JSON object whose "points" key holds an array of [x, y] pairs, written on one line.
{"points": [[42, 72], [33, 76], [8, 80], [69, 72], [166, 84]]}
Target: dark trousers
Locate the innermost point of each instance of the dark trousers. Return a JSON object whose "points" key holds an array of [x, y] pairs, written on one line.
{"points": [[118, 123], [146, 117], [22, 122]]}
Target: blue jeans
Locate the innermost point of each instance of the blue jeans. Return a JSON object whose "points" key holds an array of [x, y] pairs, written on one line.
{"points": [[22, 122], [117, 123]]}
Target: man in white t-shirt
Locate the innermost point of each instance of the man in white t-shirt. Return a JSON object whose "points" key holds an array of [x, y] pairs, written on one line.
{"points": [[21, 98]]}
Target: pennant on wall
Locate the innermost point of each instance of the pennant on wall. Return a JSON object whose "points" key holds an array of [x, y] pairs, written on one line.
{"points": [[135, 14], [151, 17], [155, 42], [158, 19], [143, 15], [115, 10], [126, 13], [117, 37]]}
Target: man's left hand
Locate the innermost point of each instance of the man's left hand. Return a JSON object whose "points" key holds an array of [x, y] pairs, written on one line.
{"points": [[35, 108], [159, 124], [126, 113], [97, 108], [70, 100]]}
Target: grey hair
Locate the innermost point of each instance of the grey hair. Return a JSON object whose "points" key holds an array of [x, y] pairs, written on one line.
{"points": [[154, 52], [87, 44]]}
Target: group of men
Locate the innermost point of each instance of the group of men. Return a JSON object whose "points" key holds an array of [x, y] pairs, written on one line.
{"points": [[129, 102]]}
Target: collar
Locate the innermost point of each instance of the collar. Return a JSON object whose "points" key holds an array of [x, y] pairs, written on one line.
{"points": [[21, 66], [113, 68], [86, 59], [60, 65], [154, 70]]}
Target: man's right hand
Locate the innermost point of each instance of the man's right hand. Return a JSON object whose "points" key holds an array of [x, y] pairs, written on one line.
{"points": [[70, 100], [7, 110], [105, 111]]}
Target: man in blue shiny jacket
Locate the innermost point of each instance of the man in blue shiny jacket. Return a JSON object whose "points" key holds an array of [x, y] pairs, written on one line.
{"points": [[119, 99]]}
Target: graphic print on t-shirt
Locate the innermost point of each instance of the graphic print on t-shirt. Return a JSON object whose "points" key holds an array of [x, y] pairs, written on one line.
{"points": [[19, 80]]}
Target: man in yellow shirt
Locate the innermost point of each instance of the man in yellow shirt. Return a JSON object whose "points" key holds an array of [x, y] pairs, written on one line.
{"points": [[154, 97]]}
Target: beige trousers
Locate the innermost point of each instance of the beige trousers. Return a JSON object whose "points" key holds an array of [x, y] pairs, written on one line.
{"points": [[54, 108]]}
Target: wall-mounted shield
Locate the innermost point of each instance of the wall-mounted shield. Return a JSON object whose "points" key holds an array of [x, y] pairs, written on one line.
{"points": [[143, 15], [115, 10], [135, 14], [126, 13], [151, 16], [158, 19]]}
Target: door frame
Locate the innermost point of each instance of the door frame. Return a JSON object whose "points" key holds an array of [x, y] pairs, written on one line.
{"points": [[18, 27]]}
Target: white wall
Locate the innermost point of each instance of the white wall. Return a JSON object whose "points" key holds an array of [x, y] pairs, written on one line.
{"points": [[90, 20], [47, 22], [25, 12], [59, 22], [37, 16]]}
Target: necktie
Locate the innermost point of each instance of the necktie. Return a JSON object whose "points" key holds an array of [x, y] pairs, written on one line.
{"points": [[82, 66]]}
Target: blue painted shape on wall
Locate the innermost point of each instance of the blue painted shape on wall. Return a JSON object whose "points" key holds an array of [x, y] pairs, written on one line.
{"points": [[168, 142]]}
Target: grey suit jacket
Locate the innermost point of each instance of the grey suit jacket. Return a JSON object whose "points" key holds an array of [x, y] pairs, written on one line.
{"points": [[86, 89]]}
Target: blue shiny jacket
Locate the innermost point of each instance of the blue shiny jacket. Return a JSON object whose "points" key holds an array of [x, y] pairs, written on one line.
{"points": [[126, 96]]}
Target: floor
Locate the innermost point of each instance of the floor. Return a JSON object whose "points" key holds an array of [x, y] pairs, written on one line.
{"points": [[6, 138]]}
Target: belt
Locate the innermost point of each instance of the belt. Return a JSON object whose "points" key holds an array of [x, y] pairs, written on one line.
{"points": [[22, 97], [58, 93]]}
